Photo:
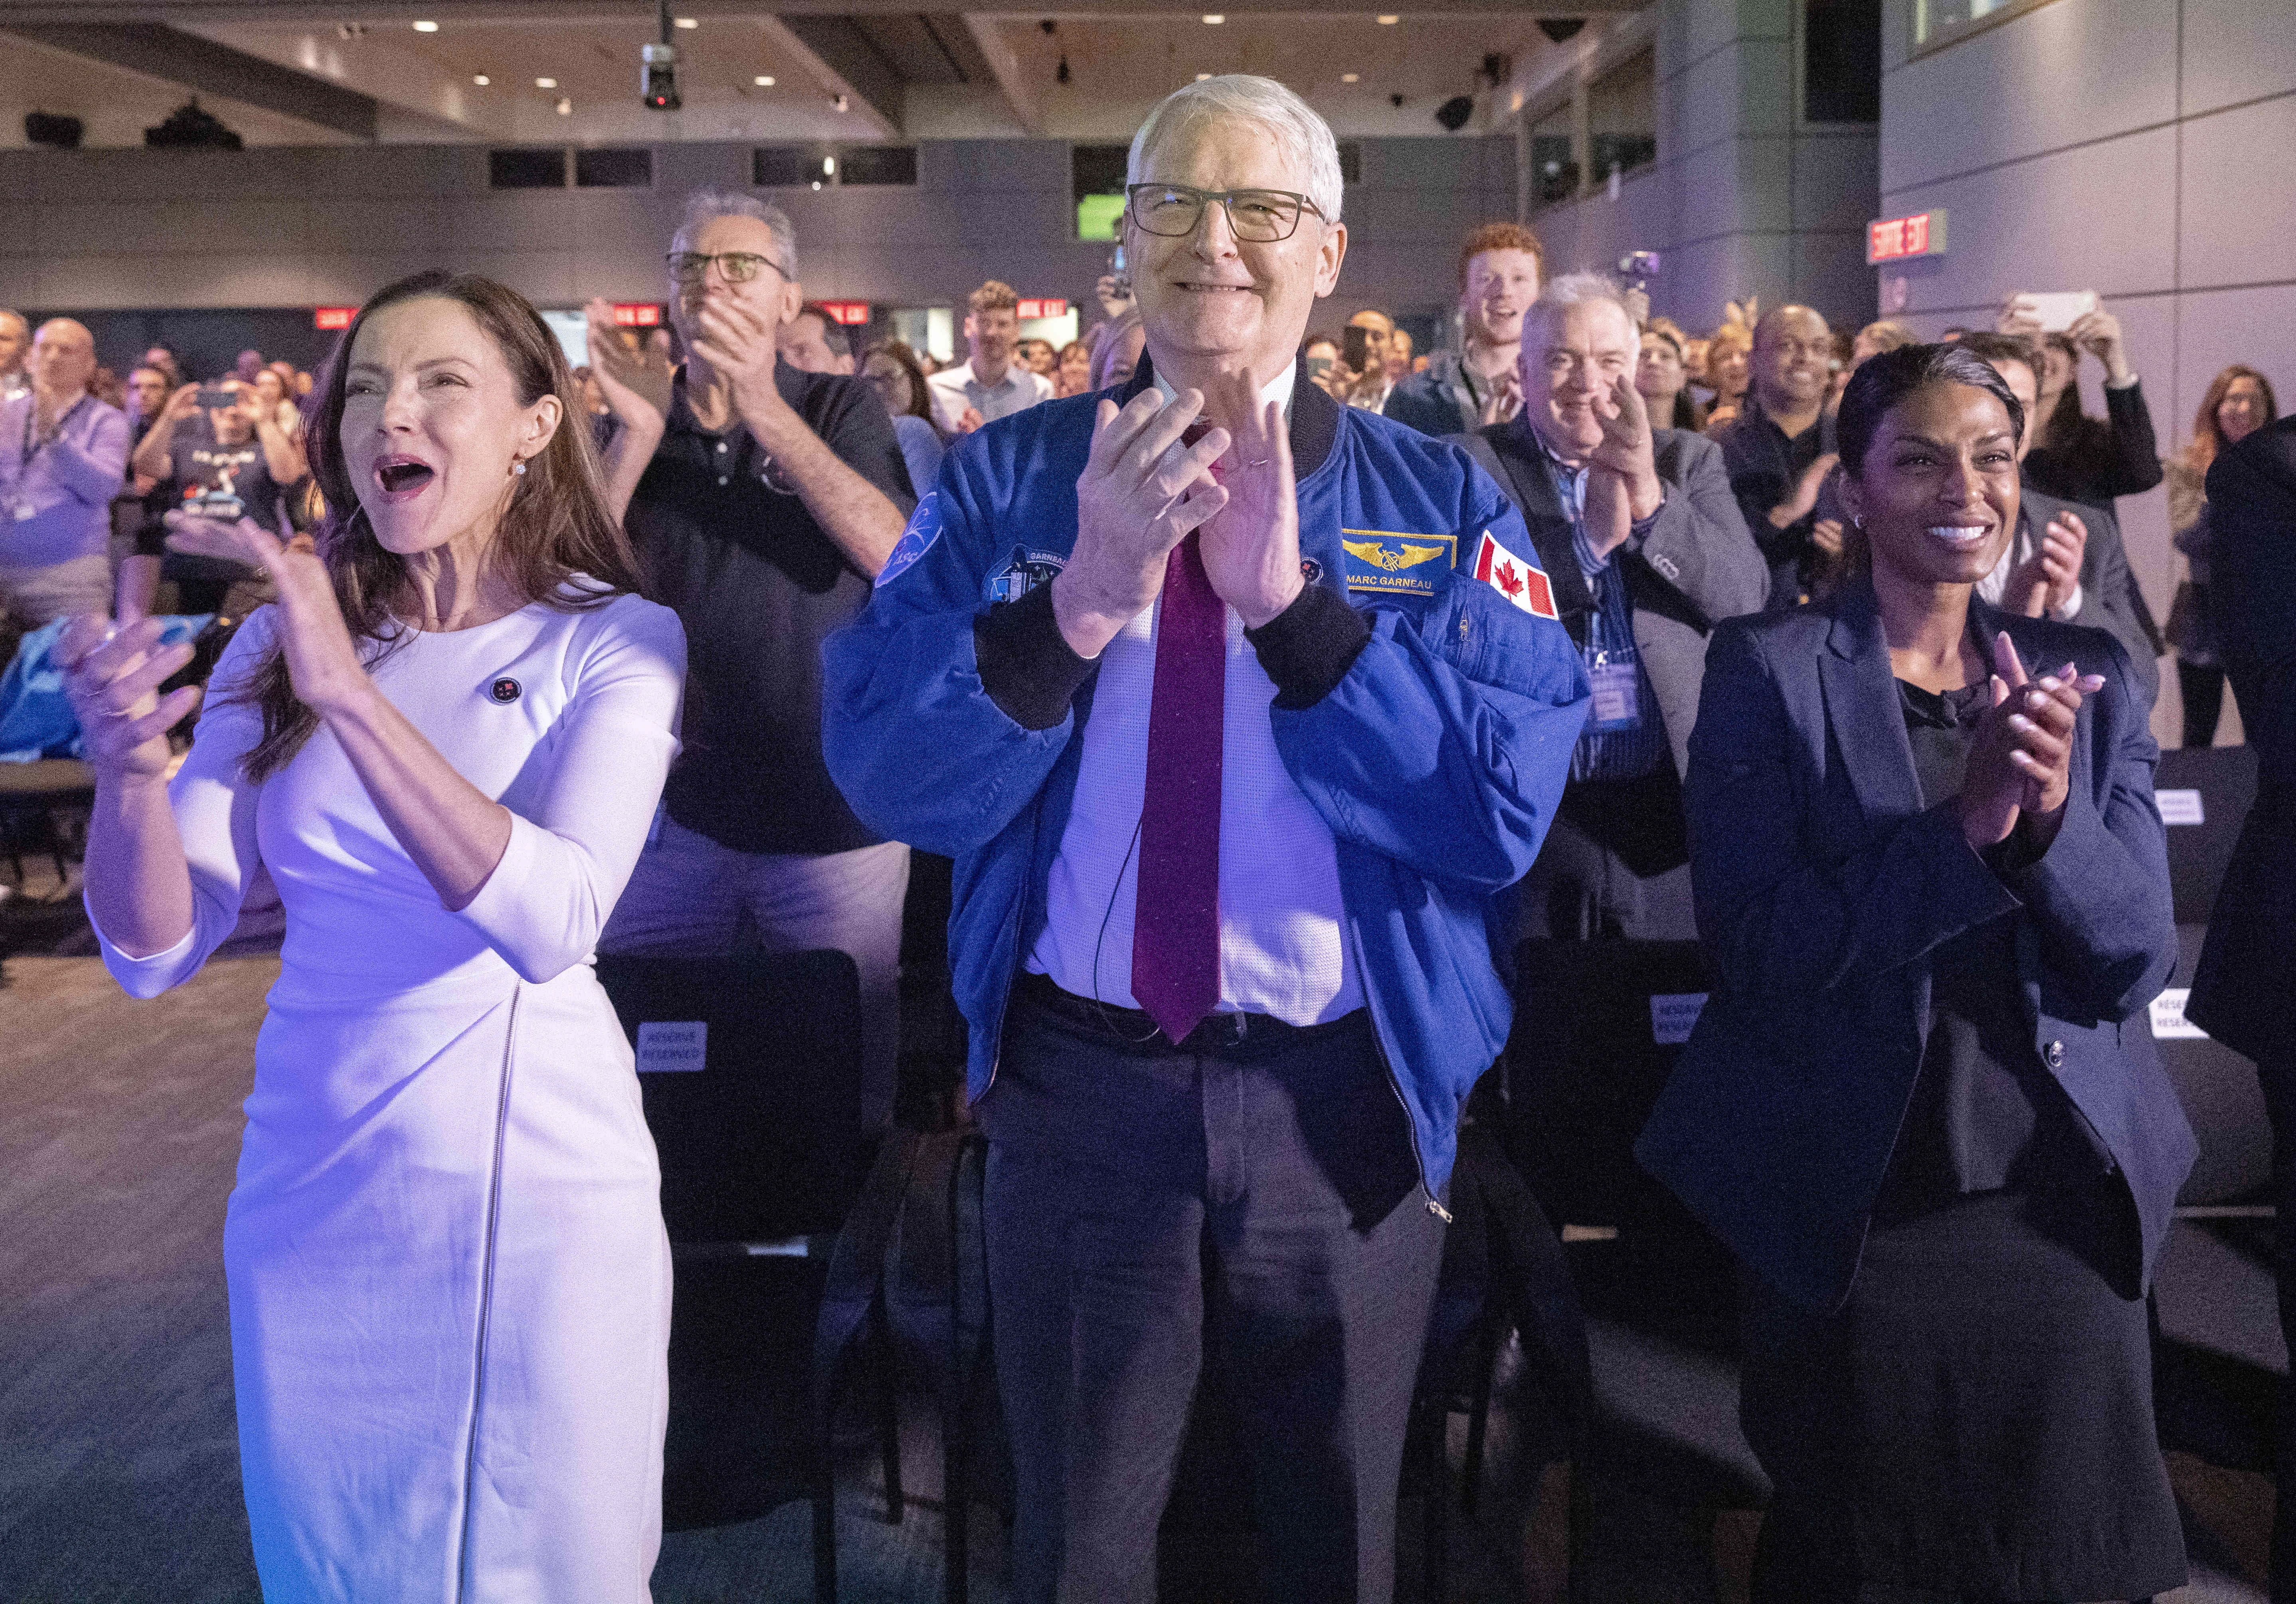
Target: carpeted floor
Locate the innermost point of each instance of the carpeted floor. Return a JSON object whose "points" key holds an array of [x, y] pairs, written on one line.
{"points": [[118, 1476]]}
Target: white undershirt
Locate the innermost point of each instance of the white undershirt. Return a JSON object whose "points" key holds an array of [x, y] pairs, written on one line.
{"points": [[1283, 949]]}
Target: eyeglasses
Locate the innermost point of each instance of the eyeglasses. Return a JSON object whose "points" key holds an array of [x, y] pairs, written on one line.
{"points": [[738, 267], [1260, 216]]}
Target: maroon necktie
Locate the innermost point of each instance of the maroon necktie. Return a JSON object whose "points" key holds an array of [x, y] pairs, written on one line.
{"points": [[1175, 968]]}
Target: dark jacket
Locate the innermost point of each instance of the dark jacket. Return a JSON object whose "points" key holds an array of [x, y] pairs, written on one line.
{"points": [[1824, 886], [2110, 598], [1693, 567], [2100, 459], [1438, 401], [1763, 467], [2243, 988]]}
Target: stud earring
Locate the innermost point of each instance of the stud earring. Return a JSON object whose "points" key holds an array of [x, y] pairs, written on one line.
{"points": [[518, 467]]}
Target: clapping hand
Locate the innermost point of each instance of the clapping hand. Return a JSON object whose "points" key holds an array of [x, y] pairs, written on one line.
{"points": [[1505, 398], [112, 680], [2045, 580], [635, 374], [1252, 544], [323, 662], [2021, 762], [738, 343], [1142, 492]]}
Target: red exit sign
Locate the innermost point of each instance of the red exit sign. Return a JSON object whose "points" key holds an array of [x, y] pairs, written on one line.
{"points": [[852, 314], [1044, 308], [333, 317], [637, 313], [1894, 239]]}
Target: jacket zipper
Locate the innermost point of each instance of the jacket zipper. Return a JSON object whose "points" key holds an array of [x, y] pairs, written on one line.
{"points": [[1387, 1066], [1035, 828]]}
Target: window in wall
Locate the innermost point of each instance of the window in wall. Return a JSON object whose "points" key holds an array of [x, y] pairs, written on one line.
{"points": [[1553, 164], [527, 169], [1351, 161], [1097, 184], [1938, 23], [1841, 60], [1622, 117], [613, 169], [886, 164], [792, 166]]}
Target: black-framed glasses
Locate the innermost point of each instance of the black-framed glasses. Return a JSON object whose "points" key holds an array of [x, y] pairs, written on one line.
{"points": [[1260, 215], [738, 267]]}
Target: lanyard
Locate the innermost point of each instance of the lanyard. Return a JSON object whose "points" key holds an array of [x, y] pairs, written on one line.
{"points": [[29, 446]]}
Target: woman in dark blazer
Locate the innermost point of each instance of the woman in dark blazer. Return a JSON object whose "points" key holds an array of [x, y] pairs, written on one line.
{"points": [[1921, 1106]]}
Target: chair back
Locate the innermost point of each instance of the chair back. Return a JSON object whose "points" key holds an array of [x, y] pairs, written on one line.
{"points": [[751, 1068], [2203, 793], [2218, 1088]]}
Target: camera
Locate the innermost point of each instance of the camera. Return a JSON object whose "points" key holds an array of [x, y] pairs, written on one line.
{"points": [[1638, 267], [658, 76]]}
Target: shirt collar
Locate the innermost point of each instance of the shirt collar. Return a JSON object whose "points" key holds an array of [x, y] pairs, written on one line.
{"points": [[1278, 390]]}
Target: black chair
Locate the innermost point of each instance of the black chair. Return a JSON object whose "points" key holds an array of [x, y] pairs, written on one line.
{"points": [[750, 1071], [2219, 782], [2219, 1089], [41, 803]]}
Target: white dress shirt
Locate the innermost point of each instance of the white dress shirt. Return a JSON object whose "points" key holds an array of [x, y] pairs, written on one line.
{"points": [[953, 388], [1283, 950]]}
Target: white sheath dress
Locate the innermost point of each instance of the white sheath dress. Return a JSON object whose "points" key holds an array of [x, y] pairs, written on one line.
{"points": [[449, 1282]]}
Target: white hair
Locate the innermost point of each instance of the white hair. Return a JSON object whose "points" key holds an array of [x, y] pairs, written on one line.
{"points": [[1305, 137], [712, 201], [1578, 290]]}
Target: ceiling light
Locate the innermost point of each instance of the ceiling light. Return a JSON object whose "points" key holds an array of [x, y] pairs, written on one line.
{"points": [[1200, 77], [763, 81], [565, 106], [1352, 78], [426, 28], [689, 21], [480, 80], [1214, 18], [546, 83], [1387, 19], [829, 167]]}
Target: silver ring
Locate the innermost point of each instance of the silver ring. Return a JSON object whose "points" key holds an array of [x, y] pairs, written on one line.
{"points": [[1262, 463]]}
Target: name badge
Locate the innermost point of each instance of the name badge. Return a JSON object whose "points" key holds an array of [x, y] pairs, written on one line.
{"points": [[1617, 705], [24, 512], [1383, 564]]}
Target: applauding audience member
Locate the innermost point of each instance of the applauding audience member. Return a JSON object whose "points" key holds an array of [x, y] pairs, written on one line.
{"points": [[1664, 381], [233, 463], [1921, 1106], [1636, 527], [1499, 269], [762, 501], [1780, 445], [2239, 402], [62, 456], [893, 372], [991, 383]]}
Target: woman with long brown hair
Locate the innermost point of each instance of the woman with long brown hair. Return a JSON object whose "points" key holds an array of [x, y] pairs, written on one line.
{"points": [[2239, 402], [449, 1281]]}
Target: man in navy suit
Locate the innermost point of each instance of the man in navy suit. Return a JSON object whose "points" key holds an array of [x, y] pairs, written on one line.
{"points": [[2247, 977]]}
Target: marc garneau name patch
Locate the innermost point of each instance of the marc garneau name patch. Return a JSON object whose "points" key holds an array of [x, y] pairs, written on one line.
{"points": [[1387, 564]]}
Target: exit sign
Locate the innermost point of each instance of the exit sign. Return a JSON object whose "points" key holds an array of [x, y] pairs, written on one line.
{"points": [[1894, 239], [333, 317], [1044, 308], [637, 313], [852, 314]]}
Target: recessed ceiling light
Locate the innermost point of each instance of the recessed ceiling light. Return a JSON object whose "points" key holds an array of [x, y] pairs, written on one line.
{"points": [[1200, 77], [565, 106], [1387, 20], [546, 83], [1214, 18], [1352, 78], [426, 28], [763, 80], [480, 80], [689, 21]]}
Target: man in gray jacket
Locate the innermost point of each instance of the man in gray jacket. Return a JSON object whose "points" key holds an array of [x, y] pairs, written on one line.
{"points": [[1646, 549]]}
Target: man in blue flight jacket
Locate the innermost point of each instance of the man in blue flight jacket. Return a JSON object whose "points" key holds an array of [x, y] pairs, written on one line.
{"points": [[1234, 707]]}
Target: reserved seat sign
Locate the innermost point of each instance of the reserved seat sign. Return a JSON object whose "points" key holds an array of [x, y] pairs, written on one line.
{"points": [[667, 1045]]}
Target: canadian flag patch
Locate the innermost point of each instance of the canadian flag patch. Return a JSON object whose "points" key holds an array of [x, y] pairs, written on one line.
{"points": [[1521, 582]]}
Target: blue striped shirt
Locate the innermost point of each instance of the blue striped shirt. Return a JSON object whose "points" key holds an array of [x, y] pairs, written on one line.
{"points": [[1615, 748]]}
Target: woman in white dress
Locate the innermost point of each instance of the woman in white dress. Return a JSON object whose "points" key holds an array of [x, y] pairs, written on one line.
{"points": [[449, 1281]]}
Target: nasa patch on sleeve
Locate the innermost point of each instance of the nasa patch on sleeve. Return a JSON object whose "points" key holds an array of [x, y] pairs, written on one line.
{"points": [[923, 530], [1521, 581]]}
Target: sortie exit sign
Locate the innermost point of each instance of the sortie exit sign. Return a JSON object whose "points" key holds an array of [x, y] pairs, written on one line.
{"points": [[1894, 239]]}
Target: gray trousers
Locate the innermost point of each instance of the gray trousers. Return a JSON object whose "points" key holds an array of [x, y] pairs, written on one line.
{"points": [[32, 596], [1252, 1199], [690, 894]]}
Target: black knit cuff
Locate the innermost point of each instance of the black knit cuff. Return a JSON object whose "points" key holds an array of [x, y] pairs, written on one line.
{"points": [[1027, 665], [1309, 646]]}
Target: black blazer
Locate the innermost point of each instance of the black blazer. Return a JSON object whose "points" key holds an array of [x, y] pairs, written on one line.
{"points": [[2246, 981], [1694, 565], [1823, 886]]}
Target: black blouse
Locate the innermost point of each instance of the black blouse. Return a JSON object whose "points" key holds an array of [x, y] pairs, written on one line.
{"points": [[1986, 1115]]}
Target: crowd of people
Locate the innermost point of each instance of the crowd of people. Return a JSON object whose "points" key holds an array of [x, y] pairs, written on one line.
{"points": [[1268, 686]]}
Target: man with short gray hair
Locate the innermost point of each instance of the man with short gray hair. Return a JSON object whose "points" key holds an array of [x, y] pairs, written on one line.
{"points": [[1237, 707], [1648, 551], [63, 452], [15, 344], [762, 500]]}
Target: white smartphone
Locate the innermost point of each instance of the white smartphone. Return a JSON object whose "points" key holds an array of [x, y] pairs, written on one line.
{"points": [[2057, 310]]}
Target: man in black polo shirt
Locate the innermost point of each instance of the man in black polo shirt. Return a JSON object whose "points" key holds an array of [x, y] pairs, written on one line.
{"points": [[1780, 447], [763, 501]]}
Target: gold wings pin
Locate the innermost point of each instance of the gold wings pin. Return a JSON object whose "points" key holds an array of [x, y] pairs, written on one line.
{"points": [[1377, 554]]}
